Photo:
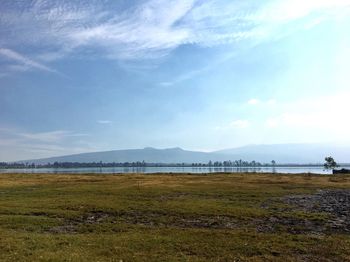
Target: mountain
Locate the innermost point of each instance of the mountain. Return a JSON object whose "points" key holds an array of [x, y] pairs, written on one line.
{"points": [[281, 153], [290, 153], [148, 154]]}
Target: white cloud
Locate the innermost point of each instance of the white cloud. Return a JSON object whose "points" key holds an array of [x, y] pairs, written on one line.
{"points": [[323, 117], [166, 84], [105, 122], [296, 9], [253, 101], [147, 31]]}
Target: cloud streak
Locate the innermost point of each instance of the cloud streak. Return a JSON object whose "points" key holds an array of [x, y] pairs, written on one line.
{"points": [[104, 122], [24, 63], [151, 29], [18, 145], [52, 136]]}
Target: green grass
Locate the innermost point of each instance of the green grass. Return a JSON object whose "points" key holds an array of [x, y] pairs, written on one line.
{"points": [[160, 218]]}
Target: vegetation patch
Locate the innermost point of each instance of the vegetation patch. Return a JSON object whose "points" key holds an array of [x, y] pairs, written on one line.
{"points": [[214, 217]]}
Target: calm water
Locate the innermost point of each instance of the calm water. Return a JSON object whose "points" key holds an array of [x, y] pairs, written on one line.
{"points": [[197, 170]]}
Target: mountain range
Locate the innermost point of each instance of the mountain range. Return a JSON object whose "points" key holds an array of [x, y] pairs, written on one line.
{"points": [[281, 153]]}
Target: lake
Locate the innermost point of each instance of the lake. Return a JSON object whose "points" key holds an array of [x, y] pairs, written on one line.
{"points": [[195, 170]]}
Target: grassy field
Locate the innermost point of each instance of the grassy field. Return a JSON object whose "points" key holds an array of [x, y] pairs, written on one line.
{"points": [[133, 217]]}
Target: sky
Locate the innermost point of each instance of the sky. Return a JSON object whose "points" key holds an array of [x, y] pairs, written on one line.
{"points": [[83, 76]]}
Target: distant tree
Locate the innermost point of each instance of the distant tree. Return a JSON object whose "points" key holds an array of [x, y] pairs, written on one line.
{"points": [[273, 162], [330, 163]]}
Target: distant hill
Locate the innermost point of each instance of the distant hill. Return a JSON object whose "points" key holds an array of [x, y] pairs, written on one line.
{"points": [[148, 154], [282, 153], [290, 153]]}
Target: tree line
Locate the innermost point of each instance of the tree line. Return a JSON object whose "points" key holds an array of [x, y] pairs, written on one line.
{"points": [[229, 163]]}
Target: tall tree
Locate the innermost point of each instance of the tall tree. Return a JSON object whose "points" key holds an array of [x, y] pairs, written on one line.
{"points": [[330, 163]]}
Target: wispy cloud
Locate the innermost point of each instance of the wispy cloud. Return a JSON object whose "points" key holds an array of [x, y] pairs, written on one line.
{"points": [[24, 63], [185, 76], [145, 31], [151, 29], [52, 136], [105, 122], [18, 145]]}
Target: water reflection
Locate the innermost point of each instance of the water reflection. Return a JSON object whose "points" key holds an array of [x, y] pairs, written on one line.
{"points": [[180, 169]]}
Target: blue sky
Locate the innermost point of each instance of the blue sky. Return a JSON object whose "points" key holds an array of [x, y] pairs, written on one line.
{"points": [[82, 76]]}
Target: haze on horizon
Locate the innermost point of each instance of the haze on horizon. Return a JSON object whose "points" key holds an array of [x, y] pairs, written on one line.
{"points": [[85, 76]]}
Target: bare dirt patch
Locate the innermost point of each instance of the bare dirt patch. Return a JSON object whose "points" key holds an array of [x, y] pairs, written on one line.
{"points": [[148, 219], [179, 220], [334, 204], [325, 212]]}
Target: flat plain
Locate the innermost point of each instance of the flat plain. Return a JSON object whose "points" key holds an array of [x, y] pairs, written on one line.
{"points": [[174, 217]]}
